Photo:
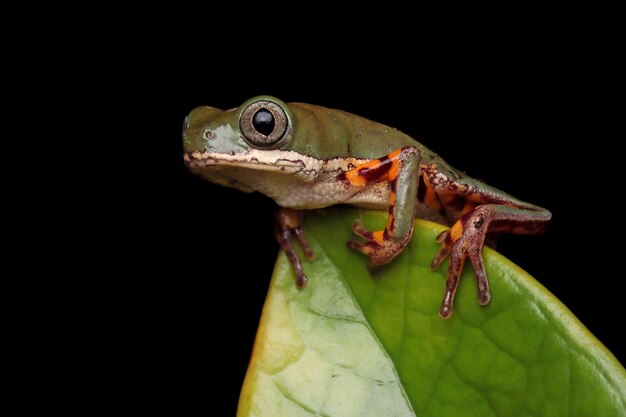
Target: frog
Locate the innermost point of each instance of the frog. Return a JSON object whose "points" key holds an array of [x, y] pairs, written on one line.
{"points": [[307, 157]]}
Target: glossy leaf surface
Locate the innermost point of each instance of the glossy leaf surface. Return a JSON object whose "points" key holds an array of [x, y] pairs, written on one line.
{"points": [[353, 344]]}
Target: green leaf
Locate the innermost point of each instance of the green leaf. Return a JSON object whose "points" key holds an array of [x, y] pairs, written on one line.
{"points": [[353, 344]]}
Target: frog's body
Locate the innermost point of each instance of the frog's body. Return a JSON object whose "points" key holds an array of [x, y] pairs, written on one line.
{"points": [[314, 163], [306, 157]]}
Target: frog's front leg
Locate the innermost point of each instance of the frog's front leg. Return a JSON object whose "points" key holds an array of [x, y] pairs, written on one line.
{"points": [[288, 224], [487, 210], [400, 169]]}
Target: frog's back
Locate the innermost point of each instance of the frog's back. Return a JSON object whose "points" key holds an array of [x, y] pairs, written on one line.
{"points": [[329, 133]]}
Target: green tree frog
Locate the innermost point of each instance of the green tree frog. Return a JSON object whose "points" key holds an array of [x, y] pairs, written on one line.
{"points": [[305, 157]]}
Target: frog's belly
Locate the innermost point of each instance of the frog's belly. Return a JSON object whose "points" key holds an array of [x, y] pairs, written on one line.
{"points": [[325, 191], [292, 192]]}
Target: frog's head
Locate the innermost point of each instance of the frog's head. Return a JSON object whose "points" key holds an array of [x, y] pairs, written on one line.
{"points": [[247, 148], [241, 136]]}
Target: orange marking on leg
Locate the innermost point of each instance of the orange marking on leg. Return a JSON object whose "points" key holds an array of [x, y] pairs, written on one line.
{"points": [[367, 165], [355, 179], [378, 237], [370, 172], [456, 231], [430, 195], [431, 199], [386, 168], [394, 171], [392, 198], [394, 154]]}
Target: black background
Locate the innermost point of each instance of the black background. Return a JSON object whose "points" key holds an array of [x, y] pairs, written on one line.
{"points": [[513, 117]]}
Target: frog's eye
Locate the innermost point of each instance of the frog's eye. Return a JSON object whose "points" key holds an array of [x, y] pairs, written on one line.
{"points": [[264, 124]]}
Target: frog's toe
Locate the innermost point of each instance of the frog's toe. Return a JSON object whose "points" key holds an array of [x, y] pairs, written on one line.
{"points": [[361, 231], [476, 258], [355, 245], [441, 237], [444, 249]]}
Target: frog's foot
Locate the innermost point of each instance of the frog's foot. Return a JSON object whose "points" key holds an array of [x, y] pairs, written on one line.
{"points": [[464, 240], [378, 246], [288, 224]]}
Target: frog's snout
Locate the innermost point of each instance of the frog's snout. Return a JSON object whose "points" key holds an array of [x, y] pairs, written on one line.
{"points": [[195, 132]]}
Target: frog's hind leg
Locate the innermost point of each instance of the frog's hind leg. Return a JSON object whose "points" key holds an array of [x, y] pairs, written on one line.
{"points": [[488, 211]]}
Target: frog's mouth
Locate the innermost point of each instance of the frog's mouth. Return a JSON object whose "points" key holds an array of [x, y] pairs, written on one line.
{"points": [[288, 162]]}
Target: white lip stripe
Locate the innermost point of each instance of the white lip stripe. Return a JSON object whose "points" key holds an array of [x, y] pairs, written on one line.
{"points": [[289, 162]]}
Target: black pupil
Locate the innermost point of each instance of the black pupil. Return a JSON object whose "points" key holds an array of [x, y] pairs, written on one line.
{"points": [[263, 122]]}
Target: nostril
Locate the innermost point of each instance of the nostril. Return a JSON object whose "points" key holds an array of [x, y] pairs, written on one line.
{"points": [[208, 134]]}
